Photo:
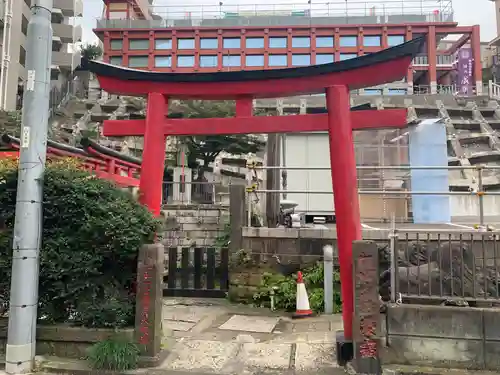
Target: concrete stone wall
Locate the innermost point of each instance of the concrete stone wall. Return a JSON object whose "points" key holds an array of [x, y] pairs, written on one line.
{"points": [[193, 225], [442, 336]]}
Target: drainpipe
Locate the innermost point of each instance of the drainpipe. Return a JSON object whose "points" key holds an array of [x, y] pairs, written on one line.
{"points": [[6, 52]]}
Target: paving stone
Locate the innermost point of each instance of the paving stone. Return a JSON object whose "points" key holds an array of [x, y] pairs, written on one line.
{"points": [[314, 356], [185, 314], [176, 325], [265, 356], [249, 323], [311, 327], [200, 355]]}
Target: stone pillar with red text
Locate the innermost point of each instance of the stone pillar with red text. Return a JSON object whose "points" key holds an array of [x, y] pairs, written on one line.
{"points": [[149, 302], [366, 308], [345, 195]]}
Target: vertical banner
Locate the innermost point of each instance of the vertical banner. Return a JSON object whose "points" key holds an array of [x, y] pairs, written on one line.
{"points": [[464, 71], [428, 148]]}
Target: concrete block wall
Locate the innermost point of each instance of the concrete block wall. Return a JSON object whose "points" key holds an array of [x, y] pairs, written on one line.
{"points": [[193, 225], [443, 336]]}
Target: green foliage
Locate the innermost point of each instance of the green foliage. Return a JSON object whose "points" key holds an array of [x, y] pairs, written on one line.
{"points": [[285, 289], [207, 148], [113, 355], [91, 51], [224, 238], [10, 123], [91, 235]]}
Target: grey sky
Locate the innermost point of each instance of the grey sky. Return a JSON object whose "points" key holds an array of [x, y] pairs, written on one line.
{"points": [[482, 12]]}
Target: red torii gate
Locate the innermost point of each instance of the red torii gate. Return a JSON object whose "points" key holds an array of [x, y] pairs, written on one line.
{"points": [[335, 79]]}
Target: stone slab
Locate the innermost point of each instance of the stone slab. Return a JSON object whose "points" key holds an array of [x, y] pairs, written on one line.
{"points": [[186, 314], [176, 325], [314, 356], [265, 356], [311, 327], [249, 323], [200, 355]]}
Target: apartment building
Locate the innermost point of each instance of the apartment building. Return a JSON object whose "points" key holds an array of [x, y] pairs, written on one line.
{"points": [[13, 39], [223, 37]]}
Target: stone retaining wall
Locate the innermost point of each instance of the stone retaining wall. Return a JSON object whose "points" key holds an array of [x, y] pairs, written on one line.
{"points": [[66, 341], [443, 336], [193, 225]]}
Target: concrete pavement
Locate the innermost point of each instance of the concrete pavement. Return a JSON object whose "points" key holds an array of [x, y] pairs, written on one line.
{"points": [[214, 337]]}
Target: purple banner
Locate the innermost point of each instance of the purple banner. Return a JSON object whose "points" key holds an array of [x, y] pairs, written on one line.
{"points": [[464, 71]]}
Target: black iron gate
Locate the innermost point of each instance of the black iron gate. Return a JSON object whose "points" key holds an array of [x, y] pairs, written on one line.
{"points": [[197, 272]]}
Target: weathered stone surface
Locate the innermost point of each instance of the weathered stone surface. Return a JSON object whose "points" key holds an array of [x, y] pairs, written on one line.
{"points": [[250, 323], [265, 356]]}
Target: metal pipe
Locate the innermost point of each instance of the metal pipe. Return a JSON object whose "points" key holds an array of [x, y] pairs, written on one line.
{"points": [[480, 196], [21, 338], [328, 278], [394, 258], [7, 35], [376, 192]]}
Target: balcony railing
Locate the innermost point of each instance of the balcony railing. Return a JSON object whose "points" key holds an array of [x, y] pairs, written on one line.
{"points": [[325, 13]]}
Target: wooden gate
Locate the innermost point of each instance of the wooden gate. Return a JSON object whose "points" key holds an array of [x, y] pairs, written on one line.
{"points": [[197, 272]]}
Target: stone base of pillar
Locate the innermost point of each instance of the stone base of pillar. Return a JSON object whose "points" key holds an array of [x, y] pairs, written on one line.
{"points": [[479, 88], [344, 349], [434, 89], [409, 89], [182, 191]]}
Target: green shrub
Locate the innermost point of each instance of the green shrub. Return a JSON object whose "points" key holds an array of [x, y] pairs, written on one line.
{"points": [[285, 290], [114, 355], [91, 235]]}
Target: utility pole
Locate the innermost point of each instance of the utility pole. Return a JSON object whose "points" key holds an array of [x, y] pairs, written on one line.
{"points": [[21, 338]]}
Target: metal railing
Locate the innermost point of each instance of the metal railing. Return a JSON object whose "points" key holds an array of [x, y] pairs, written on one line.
{"points": [[441, 266], [494, 90], [386, 192], [194, 192], [265, 14]]}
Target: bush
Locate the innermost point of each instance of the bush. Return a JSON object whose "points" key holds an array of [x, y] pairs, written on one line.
{"points": [[285, 290], [114, 355], [91, 235]]}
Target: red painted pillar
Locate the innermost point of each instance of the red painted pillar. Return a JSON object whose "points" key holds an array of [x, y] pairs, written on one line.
{"points": [[153, 158], [244, 107], [344, 182]]}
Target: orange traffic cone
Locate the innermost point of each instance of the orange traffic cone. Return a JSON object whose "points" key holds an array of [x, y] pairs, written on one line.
{"points": [[302, 310]]}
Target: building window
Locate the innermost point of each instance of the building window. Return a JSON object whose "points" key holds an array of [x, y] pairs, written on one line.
{"points": [[395, 40], [254, 60], [185, 61], [231, 60], [324, 58], [116, 44], [137, 44], [209, 43], [185, 43], [301, 60], [373, 92], [372, 41], [348, 41], [163, 61], [277, 42], [347, 56], [277, 60], [301, 42], [231, 43], [254, 43], [208, 61], [138, 61], [163, 44], [116, 60], [324, 41]]}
